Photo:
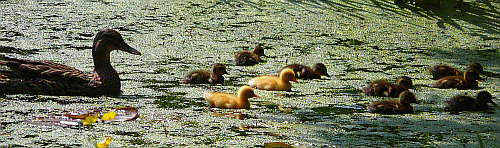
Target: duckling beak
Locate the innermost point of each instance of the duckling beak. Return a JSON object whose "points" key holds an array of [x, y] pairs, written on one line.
{"points": [[254, 95], [127, 48], [494, 104]]}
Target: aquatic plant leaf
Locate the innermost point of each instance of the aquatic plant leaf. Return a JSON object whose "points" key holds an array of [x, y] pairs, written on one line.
{"points": [[277, 144], [53, 120], [125, 114]]}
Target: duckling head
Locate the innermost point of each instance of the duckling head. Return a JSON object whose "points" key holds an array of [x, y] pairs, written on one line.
{"points": [[407, 97], [320, 68], [287, 74], [219, 69]]}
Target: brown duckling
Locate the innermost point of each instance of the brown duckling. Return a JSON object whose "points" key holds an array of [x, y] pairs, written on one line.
{"points": [[441, 71], [246, 58], [305, 72], [49, 78], [465, 81], [464, 103], [273, 82], [387, 89], [205, 77], [394, 107], [228, 101]]}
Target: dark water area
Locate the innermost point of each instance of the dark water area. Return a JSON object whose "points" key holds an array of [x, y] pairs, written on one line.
{"points": [[359, 41]]}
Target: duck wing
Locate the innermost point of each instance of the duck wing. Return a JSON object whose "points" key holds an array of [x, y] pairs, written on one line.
{"points": [[42, 69]]}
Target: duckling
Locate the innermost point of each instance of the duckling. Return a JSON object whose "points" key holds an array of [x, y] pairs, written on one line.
{"points": [[464, 103], [204, 77], [394, 107], [387, 89], [441, 71], [273, 82], [465, 81], [228, 101], [246, 58], [305, 72]]}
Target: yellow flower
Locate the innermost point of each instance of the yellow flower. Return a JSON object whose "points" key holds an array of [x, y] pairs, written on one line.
{"points": [[89, 120], [103, 143], [108, 116]]}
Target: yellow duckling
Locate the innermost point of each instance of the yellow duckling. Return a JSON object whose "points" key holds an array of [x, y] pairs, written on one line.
{"points": [[228, 101], [273, 82]]}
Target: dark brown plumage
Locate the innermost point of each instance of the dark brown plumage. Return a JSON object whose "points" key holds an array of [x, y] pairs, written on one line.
{"points": [[387, 89], [48, 78], [306, 72], [441, 71], [205, 77], [466, 81], [394, 107], [246, 58], [464, 103]]}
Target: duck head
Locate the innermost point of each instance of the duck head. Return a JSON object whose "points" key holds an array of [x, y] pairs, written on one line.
{"points": [[106, 41]]}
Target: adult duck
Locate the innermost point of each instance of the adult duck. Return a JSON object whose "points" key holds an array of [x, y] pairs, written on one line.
{"points": [[466, 81], [228, 101], [246, 58], [280, 83], [306, 72], [441, 71], [205, 77], [49, 78], [465, 103], [402, 106], [387, 89]]}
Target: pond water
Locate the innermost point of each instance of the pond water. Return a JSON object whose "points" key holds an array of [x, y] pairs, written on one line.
{"points": [[358, 40]]}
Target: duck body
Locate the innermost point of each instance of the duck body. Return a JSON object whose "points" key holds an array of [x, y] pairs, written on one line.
{"points": [[441, 71], [466, 81], [465, 103], [228, 101], [246, 58], [306, 72], [49, 78], [402, 106], [387, 89], [205, 77], [271, 83]]}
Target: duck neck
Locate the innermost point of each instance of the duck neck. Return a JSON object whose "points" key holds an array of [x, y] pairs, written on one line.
{"points": [[100, 54]]}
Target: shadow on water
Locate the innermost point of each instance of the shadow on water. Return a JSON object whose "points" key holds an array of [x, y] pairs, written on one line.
{"points": [[470, 12]]}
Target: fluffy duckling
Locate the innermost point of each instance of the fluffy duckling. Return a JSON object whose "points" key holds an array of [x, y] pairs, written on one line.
{"points": [[387, 89], [205, 77], [441, 71], [394, 107], [305, 72], [273, 82], [465, 81], [464, 103], [228, 101], [246, 58]]}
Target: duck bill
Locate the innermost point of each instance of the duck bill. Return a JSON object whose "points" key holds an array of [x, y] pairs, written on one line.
{"points": [[295, 80], [254, 95], [127, 48]]}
